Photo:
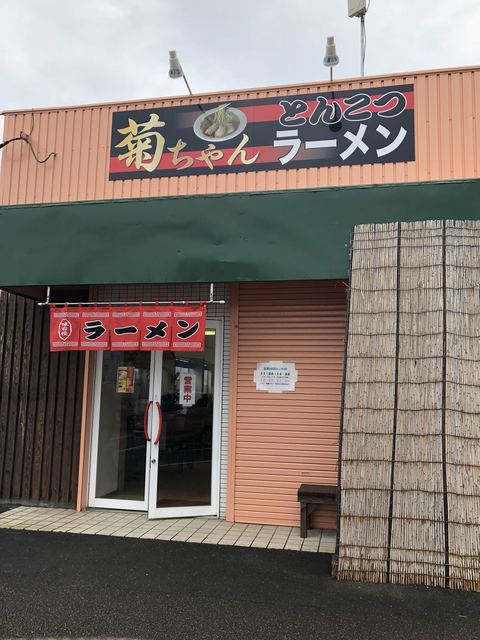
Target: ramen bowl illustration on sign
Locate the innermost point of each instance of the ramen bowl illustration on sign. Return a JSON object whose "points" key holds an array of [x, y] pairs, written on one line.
{"points": [[219, 124]]}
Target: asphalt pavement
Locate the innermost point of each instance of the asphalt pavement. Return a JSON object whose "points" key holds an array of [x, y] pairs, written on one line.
{"points": [[59, 585]]}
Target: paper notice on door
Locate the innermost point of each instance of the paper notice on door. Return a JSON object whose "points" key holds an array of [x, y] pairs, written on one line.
{"points": [[187, 389], [125, 380]]}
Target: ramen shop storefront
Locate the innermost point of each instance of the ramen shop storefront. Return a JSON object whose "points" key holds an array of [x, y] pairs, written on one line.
{"points": [[147, 203]]}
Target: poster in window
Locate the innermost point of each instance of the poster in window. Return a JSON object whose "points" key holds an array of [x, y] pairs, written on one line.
{"points": [[125, 380]]}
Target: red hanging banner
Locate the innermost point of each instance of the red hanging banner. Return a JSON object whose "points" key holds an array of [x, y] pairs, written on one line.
{"points": [[128, 328], [64, 328], [188, 328], [94, 328], [155, 327], [124, 328]]}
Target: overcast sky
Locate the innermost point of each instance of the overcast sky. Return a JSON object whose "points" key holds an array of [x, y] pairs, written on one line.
{"points": [[56, 52]]}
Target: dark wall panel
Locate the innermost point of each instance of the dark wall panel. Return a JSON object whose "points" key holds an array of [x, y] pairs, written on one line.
{"points": [[40, 408]]}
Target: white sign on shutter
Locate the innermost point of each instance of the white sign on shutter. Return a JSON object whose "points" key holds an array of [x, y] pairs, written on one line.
{"points": [[275, 376]]}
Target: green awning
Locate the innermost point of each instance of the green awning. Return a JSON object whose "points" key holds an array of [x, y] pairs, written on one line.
{"points": [[282, 235]]}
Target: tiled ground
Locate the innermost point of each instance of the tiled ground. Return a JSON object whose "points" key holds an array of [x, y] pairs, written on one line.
{"points": [[130, 524]]}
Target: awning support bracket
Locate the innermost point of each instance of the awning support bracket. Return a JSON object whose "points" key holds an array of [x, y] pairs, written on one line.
{"points": [[211, 300]]}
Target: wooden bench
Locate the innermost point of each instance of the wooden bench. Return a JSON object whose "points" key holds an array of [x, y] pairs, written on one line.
{"points": [[311, 495]]}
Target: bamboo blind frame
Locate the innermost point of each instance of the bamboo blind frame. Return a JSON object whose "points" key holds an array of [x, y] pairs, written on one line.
{"points": [[409, 508]]}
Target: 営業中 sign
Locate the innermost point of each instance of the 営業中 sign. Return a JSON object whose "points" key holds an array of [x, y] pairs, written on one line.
{"points": [[187, 389]]}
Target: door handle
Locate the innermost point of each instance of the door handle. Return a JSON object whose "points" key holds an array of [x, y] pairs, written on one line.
{"points": [[145, 420], [160, 422]]}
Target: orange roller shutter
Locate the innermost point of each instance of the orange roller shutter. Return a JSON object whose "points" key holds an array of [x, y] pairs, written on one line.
{"points": [[284, 440]]}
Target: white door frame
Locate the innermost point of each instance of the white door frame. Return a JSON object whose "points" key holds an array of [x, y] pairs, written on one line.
{"points": [[213, 509], [105, 503], [149, 502]]}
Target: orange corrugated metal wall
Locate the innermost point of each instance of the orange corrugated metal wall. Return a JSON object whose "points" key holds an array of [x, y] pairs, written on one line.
{"points": [[447, 138], [284, 440]]}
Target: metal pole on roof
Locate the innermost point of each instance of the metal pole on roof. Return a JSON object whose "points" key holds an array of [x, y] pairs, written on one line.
{"points": [[363, 43], [358, 9]]}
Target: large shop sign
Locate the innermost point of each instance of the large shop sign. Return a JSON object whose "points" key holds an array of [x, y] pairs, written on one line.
{"points": [[362, 126], [127, 328]]}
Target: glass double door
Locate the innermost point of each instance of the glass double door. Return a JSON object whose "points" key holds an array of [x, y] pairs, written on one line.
{"points": [[156, 428]]}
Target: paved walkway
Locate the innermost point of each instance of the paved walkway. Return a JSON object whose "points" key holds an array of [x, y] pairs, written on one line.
{"points": [[130, 524], [73, 586]]}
